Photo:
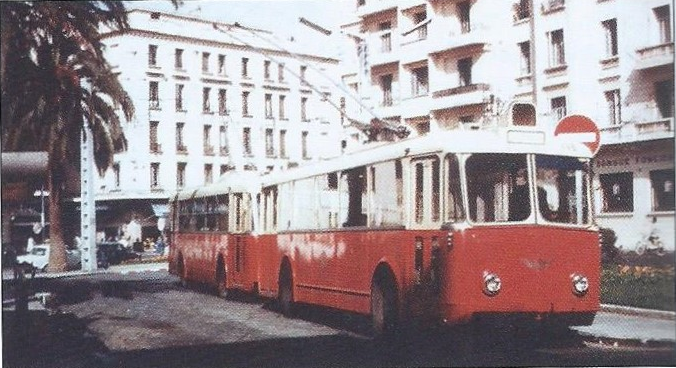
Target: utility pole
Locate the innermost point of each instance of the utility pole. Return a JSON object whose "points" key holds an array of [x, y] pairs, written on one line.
{"points": [[87, 201]]}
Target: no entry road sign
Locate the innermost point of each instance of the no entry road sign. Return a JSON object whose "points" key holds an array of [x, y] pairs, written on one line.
{"points": [[581, 129]]}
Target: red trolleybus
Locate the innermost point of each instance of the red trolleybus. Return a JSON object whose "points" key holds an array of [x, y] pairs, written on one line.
{"points": [[450, 227]]}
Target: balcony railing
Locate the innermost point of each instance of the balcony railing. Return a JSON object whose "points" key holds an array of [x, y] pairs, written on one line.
{"points": [[208, 150], [155, 148], [181, 149], [223, 151], [462, 89], [656, 55]]}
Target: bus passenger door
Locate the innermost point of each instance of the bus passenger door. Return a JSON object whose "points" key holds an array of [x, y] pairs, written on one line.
{"points": [[240, 225], [423, 245]]}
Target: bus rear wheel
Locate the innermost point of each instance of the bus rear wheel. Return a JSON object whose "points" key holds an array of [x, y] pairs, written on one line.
{"points": [[285, 295], [383, 307]]}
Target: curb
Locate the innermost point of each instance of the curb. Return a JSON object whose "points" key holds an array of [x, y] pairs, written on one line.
{"points": [[641, 312]]}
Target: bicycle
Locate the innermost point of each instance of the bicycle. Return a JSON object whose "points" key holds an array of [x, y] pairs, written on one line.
{"points": [[650, 243]]}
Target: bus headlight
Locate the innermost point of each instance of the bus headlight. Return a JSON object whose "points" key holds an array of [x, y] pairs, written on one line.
{"points": [[492, 284], [580, 284]]}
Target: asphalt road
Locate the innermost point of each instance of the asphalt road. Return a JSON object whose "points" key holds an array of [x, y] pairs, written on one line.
{"points": [[147, 320]]}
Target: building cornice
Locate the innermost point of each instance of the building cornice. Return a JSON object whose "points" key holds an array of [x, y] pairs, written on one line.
{"points": [[211, 43]]}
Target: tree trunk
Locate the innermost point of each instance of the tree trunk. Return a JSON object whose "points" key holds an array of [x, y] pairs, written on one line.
{"points": [[57, 253]]}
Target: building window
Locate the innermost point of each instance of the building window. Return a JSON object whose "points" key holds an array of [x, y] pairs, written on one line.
{"points": [[282, 143], [663, 17], [664, 95], [268, 106], [385, 37], [618, 192], [303, 109], [224, 169], [116, 175], [303, 72], [465, 72], [386, 85], [245, 67], [221, 64], [304, 145], [556, 50], [246, 140], [269, 144], [205, 62], [153, 95], [610, 30], [558, 105], [245, 103], [418, 18], [463, 13], [178, 59], [180, 174], [223, 141], [206, 140], [662, 183], [419, 81], [282, 112], [280, 73], [208, 173], [206, 104], [266, 69], [524, 48], [154, 146], [614, 107], [152, 55], [154, 175], [180, 144], [222, 102], [179, 97], [521, 10]]}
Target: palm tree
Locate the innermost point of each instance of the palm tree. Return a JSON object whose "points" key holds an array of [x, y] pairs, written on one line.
{"points": [[54, 80]]}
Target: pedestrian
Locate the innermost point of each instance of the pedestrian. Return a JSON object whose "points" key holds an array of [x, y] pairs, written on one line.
{"points": [[159, 245]]}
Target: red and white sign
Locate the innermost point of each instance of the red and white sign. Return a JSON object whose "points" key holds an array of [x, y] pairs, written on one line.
{"points": [[579, 129]]}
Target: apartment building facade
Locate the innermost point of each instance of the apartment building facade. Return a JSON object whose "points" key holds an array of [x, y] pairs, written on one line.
{"points": [[210, 98], [433, 65]]}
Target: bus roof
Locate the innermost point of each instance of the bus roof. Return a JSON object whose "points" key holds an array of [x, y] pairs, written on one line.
{"points": [[506, 140], [231, 181]]}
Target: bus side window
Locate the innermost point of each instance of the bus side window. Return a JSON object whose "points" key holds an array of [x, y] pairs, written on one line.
{"points": [[356, 188], [222, 212], [454, 207]]}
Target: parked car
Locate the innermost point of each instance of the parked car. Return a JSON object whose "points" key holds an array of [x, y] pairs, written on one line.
{"points": [[38, 257], [113, 253]]}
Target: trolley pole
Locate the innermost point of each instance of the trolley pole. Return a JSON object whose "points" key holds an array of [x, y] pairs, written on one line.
{"points": [[87, 201]]}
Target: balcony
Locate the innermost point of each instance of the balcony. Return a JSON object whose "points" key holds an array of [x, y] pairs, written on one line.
{"points": [[450, 98], [659, 128], [371, 7], [181, 149], [472, 42], [655, 56], [208, 150], [551, 6], [223, 151], [155, 148], [383, 48]]}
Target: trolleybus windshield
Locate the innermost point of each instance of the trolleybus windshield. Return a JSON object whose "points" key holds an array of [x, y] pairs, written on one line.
{"points": [[500, 188]]}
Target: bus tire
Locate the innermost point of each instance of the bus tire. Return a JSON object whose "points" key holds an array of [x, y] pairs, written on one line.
{"points": [[383, 305], [285, 294], [221, 286]]}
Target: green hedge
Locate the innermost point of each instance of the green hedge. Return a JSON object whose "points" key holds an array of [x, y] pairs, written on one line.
{"points": [[637, 286]]}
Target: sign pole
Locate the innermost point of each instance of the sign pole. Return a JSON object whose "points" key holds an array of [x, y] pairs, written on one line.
{"points": [[87, 201]]}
